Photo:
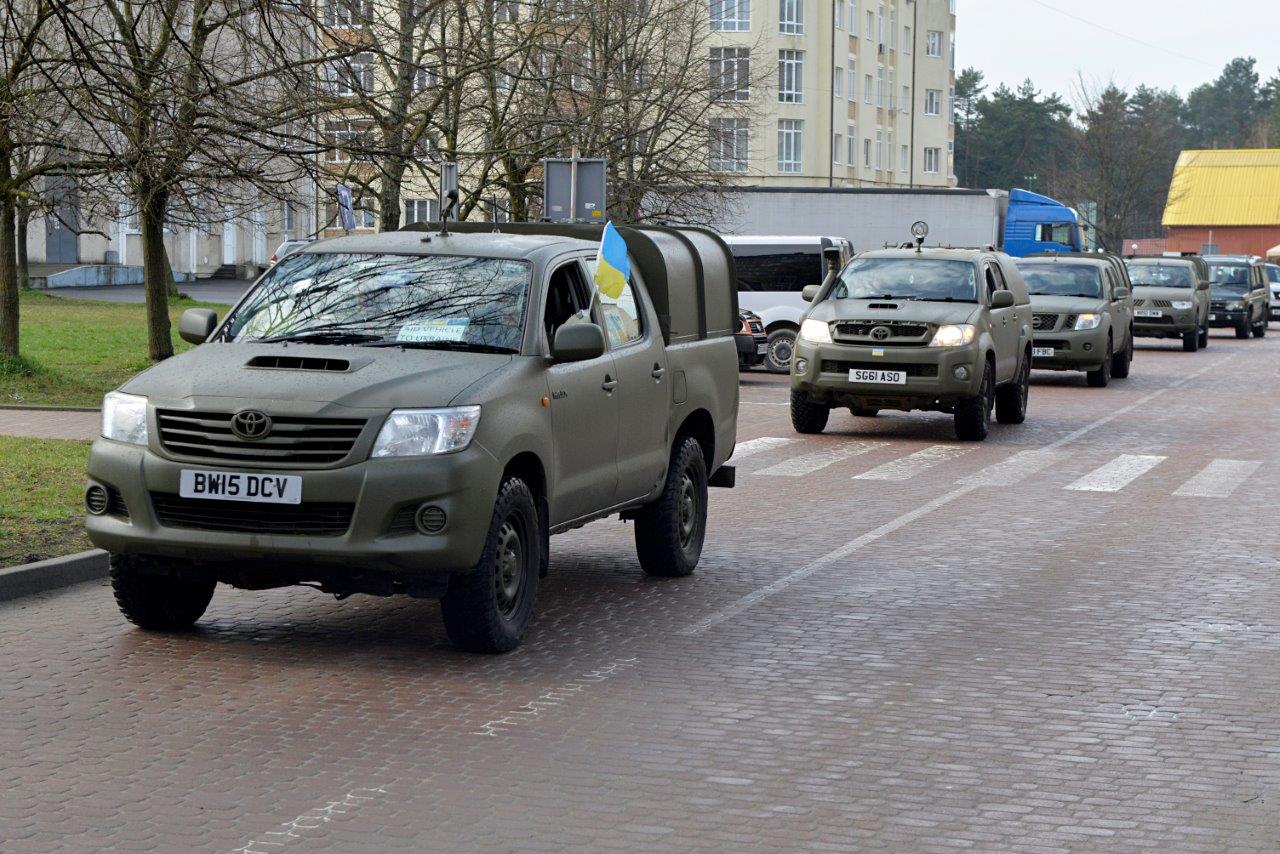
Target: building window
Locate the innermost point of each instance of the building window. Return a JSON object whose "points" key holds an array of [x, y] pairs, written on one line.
{"points": [[790, 76], [288, 219], [853, 78], [791, 17], [880, 86], [790, 141], [868, 89], [421, 210], [904, 159], [951, 105], [730, 16], [837, 147], [879, 149], [851, 138], [506, 11], [932, 159], [366, 217], [728, 152], [350, 76], [425, 78], [933, 43], [907, 44], [839, 15], [347, 13], [933, 102], [342, 139], [837, 82], [951, 57], [853, 17], [906, 99], [731, 74], [866, 153], [871, 25]]}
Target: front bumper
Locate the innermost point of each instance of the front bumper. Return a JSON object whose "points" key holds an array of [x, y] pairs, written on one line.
{"points": [[1172, 323], [1073, 350], [1219, 318], [822, 371], [751, 348], [463, 485]]}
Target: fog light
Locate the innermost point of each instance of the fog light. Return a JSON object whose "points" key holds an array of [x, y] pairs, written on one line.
{"points": [[1088, 347], [961, 372], [429, 519], [95, 500], [802, 365]]}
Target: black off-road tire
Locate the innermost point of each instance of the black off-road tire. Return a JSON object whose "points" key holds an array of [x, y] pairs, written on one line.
{"points": [[489, 608], [781, 341], [863, 412], [1101, 376], [1121, 361], [1191, 341], [1260, 331], [670, 530], [1011, 399], [973, 414], [1204, 335], [153, 597], [1242, 328], [807, 416]]}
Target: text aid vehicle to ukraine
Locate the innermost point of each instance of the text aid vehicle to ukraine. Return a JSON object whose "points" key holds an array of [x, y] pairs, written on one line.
{"points": [[947, 330], [416, 413]]}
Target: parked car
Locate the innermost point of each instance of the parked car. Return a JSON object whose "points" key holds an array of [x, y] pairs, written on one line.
{"points": [[947, 330], [1082, 315], [285, 249], [1273, 282], [417, 413], [772, 272], [1171, 299], [1240, 297], [753, 343]]}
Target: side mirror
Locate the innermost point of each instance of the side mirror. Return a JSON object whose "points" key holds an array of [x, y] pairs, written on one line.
{"points": [[197, 324], [578, 342], [1002, 299], [1122, 293], [1202, 286], [810, 292]]}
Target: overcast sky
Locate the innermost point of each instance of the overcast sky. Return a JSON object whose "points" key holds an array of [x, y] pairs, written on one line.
{"points": [[1156, 42]]}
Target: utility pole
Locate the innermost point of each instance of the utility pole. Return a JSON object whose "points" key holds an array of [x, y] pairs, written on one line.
{"points": [[915, 44], [831, 129]]}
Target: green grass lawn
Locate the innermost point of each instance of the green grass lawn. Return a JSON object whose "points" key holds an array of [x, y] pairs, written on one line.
{"points": [[74, 351], [41, 489]]}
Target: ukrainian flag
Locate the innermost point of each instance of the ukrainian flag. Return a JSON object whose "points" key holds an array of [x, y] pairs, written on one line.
{"points": [[613, 265]]}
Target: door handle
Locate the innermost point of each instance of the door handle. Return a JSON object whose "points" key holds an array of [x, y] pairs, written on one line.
{"points": [[609, 383], [658, 371]]}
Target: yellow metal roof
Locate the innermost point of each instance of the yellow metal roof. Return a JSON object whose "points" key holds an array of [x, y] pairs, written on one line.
{"points": [[1225, 187]]}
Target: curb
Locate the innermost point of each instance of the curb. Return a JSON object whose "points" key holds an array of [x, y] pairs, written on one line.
{"points": [[46, 408], [52, 574]]}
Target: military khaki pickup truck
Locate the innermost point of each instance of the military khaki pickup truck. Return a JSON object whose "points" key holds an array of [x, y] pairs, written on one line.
{"points": [[417, 412]]}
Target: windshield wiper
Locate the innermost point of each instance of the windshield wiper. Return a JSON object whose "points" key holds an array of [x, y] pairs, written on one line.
{"points": [[460, 346], [331, 336]]}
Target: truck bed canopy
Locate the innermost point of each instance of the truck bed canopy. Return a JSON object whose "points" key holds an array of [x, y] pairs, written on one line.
{"points": [[687, 271]]}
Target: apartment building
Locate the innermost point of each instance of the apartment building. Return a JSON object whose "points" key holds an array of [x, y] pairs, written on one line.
{"points": [[843, 93]]}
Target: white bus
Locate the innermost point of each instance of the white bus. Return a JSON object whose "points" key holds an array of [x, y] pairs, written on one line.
{"points": [[772, 271]]}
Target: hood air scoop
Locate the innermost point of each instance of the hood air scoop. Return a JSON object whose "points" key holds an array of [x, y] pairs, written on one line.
{"points": [[889, 305], [299, 363]]}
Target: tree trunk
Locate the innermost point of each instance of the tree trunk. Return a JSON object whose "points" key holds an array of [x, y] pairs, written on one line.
{"points": [[156, 278], [8, 274], [24, 267], [389, 197]]}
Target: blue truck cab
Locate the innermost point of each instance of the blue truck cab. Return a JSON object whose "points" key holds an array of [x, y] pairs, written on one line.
{"points": [[1036, 223]]}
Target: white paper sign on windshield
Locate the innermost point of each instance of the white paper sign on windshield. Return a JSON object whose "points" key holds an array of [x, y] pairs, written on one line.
{"points": [[444, 329]]}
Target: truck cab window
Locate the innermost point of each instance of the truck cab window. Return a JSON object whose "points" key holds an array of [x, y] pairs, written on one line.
{"points": [[623, 322], [567, 299]]}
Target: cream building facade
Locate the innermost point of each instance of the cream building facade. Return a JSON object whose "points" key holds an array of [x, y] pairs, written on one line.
{"points": [[842, 93]]}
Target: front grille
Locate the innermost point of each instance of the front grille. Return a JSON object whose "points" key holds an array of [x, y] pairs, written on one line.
{"points": [[314, 519], [1055, 343], [1218, 306], [1161, 303], [756, 327], [1044, 322], [1164, 318], [292, 440], [831, 366], [115, 504], [1069, 322]]}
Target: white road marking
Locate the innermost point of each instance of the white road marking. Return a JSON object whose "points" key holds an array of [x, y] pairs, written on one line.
{"points": [[908, 467], [1218, 479], [809, 463], [1015, 469], [757, 446], [1117, 474], [737, 607]]}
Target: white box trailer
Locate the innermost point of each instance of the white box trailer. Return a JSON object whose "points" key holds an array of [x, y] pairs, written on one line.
{"points": [[867, 217]]}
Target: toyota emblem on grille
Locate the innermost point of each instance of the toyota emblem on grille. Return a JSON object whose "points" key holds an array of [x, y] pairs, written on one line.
{"points": [[880, 333], [250, 424]]}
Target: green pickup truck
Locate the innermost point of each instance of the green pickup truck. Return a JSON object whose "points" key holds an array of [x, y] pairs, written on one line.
{"points": [[417, 412]]}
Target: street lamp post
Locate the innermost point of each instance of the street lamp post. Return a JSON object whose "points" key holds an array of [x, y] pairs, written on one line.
{"points": [[915, 43]]}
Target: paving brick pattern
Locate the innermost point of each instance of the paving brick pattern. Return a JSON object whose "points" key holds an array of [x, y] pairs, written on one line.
{"points": [[50, 423], [1023, 667]]}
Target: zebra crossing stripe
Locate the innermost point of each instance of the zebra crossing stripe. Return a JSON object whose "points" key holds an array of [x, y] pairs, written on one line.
{"points": [[908, 467], [809, 463], [1016, 468], [1116, 474], [751, 447], [1218, 479]]}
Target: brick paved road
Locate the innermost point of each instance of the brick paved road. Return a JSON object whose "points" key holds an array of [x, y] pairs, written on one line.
{"points": [[50, 423], [1063, 639]]}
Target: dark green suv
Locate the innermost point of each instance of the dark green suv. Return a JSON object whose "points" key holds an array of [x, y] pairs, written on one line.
{"points": [[1239, 297]]}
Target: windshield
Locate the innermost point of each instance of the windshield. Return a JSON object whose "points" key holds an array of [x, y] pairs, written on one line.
{"points": [[430, 301], [777, 271], [1230, 277], [1273, 274], [907, 278], [1161, 275], [1066, 280]]}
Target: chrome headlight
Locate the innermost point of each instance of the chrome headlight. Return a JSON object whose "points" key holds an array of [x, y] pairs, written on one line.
{"points": [[422, 432], [1234, 306], [1181, 303], [953, 335], [124, 418], [816, 331], [1088, 320]]}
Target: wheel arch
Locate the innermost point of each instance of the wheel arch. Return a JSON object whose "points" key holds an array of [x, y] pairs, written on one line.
{"points": [[699, 426], [528, 466]]}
